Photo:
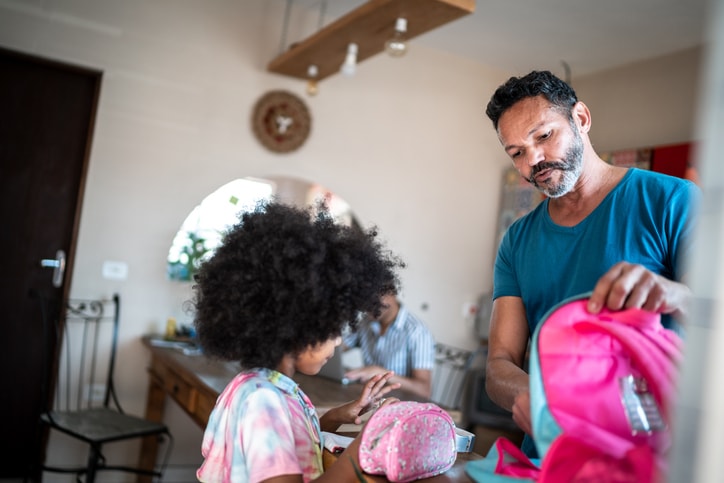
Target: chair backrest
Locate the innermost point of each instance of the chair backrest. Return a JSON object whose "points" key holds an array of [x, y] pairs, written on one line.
{"points": [[450, 374], [85, 363], [479, 409]]}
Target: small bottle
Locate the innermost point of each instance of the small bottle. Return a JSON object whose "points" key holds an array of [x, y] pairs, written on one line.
{"points": [[171, 328]]}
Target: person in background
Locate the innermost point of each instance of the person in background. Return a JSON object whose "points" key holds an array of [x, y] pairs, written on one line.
{"points": [[276, 296], [395, 341], [620, 233]]}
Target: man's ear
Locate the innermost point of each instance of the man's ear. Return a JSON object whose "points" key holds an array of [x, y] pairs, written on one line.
{"points": [[582, 116]]}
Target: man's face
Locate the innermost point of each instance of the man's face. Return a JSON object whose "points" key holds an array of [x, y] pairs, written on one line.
{"points": [[386, 309], [545, 146], [387, 302]]}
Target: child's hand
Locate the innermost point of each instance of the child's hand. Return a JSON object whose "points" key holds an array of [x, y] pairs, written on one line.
{"points": [[372, 396]]}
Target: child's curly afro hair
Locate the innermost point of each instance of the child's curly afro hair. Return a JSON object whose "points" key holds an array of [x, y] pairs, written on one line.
{"points": [[285, 278]]}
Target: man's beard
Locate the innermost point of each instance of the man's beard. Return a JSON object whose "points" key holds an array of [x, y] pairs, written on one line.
{"points": [[570, 169]]}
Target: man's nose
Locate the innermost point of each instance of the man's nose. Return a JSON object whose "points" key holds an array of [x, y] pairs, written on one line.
{"points": [[528, 160], [534, 156]]}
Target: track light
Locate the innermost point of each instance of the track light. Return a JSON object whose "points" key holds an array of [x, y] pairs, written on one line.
{"points": [[349, 67], [370, 25], [312, 73], [396, 46]]}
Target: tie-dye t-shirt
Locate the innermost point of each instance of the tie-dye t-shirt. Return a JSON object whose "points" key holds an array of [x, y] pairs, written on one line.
{"points": [[262, 426]]}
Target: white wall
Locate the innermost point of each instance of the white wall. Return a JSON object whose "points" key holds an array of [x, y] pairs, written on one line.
{"points": [[646, 104], [405, 142]]}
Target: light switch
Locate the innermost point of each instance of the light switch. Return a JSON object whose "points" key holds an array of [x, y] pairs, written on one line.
{"points": [[115, 270]]}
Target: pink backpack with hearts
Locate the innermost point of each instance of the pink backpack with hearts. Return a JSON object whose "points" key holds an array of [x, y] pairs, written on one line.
{"points": [[601, 390]]}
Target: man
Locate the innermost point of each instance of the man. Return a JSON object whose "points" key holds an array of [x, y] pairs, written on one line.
{"points": [[396, 341], [618, 232]]}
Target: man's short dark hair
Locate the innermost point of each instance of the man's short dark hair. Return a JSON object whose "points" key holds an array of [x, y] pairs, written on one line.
{"points": [[536, 83]]}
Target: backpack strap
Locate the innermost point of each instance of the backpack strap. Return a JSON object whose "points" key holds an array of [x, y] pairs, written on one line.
{"points": [[504, 463]]}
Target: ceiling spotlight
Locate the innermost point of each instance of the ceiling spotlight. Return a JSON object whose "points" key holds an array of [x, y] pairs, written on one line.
{"points": [[349, 67], [396, 46], [312, 73]]}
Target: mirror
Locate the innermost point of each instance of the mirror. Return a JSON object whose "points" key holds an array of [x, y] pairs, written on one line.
{"points": [[203, 229]]}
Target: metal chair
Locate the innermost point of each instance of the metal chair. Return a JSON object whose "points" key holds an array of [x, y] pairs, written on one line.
{"points": [[85, 405], [450, 376]]}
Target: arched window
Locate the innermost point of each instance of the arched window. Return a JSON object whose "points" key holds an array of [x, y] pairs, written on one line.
{"points": [[203, 229]]}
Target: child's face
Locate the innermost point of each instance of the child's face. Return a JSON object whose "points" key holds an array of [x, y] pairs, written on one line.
{"points": [[313, 358]]}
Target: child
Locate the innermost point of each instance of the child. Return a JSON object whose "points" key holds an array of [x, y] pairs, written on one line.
{"points": [[276, 296]]}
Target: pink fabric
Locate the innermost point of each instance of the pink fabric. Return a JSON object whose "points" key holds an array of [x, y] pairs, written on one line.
{"points": [[408, 440], [512, 461], [579, 421], [572, 460], [581, 369]]}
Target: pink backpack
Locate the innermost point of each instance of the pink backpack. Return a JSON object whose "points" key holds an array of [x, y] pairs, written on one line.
{"points": [[408, 440], [601, 389]]}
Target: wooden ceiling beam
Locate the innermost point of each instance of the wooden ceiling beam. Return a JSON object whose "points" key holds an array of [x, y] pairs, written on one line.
{"points": [[369, 26]]}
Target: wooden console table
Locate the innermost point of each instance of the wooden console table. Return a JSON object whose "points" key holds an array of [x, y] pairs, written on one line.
{"points": [[194, 382]]}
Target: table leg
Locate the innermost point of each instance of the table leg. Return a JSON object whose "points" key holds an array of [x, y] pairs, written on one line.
{"points": [[155, 404]]}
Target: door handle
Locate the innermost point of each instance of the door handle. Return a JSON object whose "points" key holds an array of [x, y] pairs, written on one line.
{"points": [[58, 266]]}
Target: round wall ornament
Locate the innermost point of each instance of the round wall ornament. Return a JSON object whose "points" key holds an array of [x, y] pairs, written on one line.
{"points": [[281, 121]]}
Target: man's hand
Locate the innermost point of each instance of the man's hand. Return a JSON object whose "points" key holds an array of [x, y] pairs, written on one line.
{"points": [[364, 374], [627, 285], [420, 382]]}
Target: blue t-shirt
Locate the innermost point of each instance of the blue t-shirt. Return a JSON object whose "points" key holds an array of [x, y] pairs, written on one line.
{"points": [[646, 219]]}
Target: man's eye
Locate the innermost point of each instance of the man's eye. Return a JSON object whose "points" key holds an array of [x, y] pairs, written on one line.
{"points": [[515, 154], [546, 135]]}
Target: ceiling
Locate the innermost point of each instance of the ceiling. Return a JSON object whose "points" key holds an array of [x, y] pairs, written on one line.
{"points": [[587, 36]]}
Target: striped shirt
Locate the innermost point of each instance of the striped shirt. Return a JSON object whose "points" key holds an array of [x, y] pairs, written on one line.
{"points": [[406, 345]]}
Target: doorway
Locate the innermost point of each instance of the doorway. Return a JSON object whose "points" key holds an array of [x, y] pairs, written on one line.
{"points": [[47, 113]]}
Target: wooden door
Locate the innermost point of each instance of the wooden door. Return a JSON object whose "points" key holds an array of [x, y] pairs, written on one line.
{"points": [[47, 112]]}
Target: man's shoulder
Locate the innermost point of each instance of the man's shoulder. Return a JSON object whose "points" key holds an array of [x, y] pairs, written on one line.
{"points": [[654, 178], [657, 185], [411, 322]]}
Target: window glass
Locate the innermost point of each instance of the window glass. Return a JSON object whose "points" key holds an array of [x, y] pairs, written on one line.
{"points": [[203, 229]]}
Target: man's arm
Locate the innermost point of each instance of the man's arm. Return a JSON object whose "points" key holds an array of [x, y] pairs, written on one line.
{"points": [[419, 382], [505, 380]]}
